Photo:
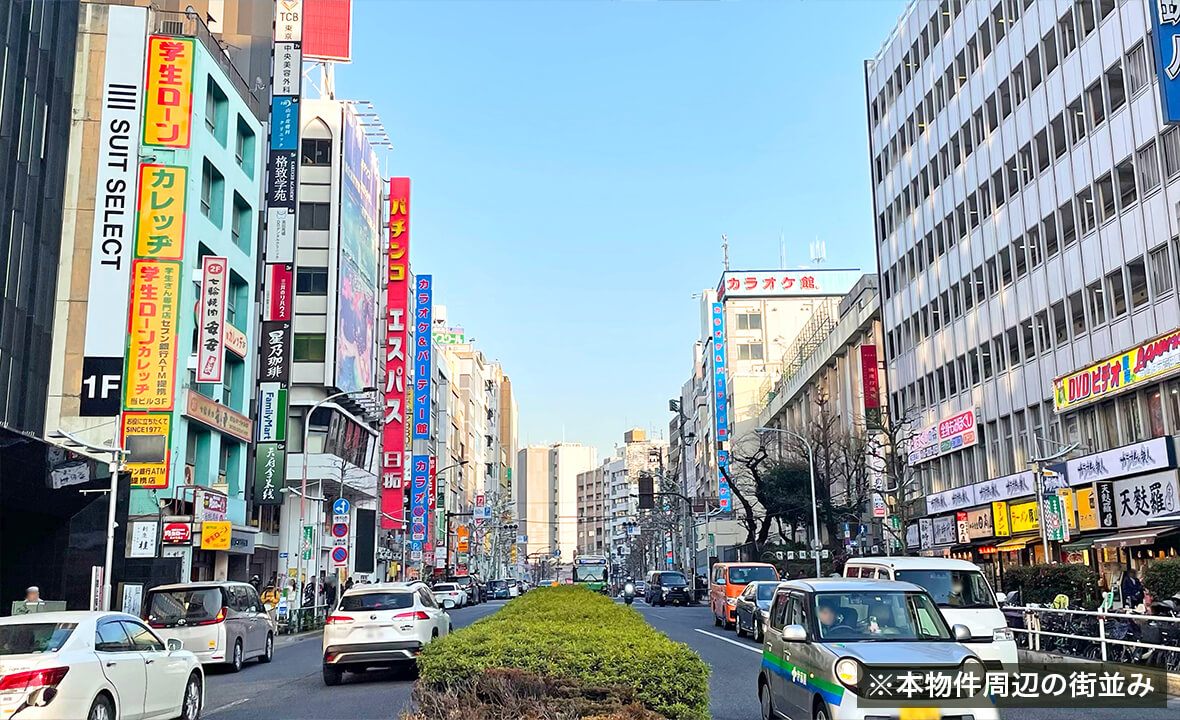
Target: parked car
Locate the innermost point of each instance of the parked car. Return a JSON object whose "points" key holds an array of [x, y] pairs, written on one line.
{"points": [[471, 586], [641, 589], [665, 586], [961, 592], [382, 625], [219, 622], [94, 665], [753, 607], [449, 595], [513, 587], [728, 581], [826, 634], [498, 590]]}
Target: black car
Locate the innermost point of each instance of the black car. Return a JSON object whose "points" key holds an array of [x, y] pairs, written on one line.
{"points": [[475, 594], [664, 586]]}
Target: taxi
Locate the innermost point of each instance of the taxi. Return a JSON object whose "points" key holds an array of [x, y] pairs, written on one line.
{"points": [[826, 638]]}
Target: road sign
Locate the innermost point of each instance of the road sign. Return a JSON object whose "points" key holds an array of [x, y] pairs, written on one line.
{"points": [[341, 507], [282, 555], [340, 556], [340, 530]]}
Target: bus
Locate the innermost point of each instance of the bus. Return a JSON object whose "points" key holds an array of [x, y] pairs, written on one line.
{"points": [[591, 571]]}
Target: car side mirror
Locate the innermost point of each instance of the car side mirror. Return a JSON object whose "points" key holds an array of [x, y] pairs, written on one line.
{"points": [[448, 604], [794, 633], [1001, 598], [962, 632], [174, 644]]}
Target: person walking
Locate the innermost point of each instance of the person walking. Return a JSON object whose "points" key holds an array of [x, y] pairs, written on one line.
{"points": [[1132, 589]]}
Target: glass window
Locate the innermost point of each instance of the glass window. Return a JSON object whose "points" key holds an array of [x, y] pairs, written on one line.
{"points": [[1115, 88], [952, 588], [750, 351], [376, 601], [1049, 233], [309, 347], [778, 613], [1060, 324], [1086, 211], [1171, 145], [311, 281], [167, 608], [1161, 270], [1105, 199], [884, 616], [1006, 265], [316, 151], [111, 637], [1067, 224], [1097, 304], [1137, 281], [1118, 293], [1155, 412], [34, 638], [1014, 347], [742, 574], [1148, 165], [1137, 73], [1132, 421], [314, 216], [1125, 176], [749, 321], [142, 639]]}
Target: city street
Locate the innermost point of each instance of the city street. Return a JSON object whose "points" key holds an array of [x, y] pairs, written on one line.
{"points": [[291, 687]]}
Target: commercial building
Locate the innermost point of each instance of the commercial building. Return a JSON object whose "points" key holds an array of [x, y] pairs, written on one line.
{"points": [[548, 490], [593, 495], [1024, 186]]}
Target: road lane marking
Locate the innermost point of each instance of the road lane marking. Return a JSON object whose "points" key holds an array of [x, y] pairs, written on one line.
{"points": [[742, 645], [227, 707]]}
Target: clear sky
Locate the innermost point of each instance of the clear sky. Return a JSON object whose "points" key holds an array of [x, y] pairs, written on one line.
{"points": [[575, 162]]}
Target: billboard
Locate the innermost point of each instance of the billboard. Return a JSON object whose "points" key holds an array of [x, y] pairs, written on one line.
{"points": [[168, 106], [356, 311], [115, 192], [419, 489], [393, 432], [160, 231], [423, 355], [327, 30], [269, 461], [720, 401], [786, 283], [147, 438], [151, 345], [1165, 39], [1154, 359], [211, 319], [946, 436]]}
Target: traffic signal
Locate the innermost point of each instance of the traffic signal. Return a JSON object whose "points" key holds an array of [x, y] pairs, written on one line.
{"points": [[647, 500]]}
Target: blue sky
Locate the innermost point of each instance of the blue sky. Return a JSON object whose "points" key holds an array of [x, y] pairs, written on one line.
{"points": [[574, 164]]}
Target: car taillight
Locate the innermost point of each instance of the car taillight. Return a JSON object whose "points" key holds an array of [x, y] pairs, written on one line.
{"points": [[337, 619], [416, 615], [220, 618], [33, 679]]}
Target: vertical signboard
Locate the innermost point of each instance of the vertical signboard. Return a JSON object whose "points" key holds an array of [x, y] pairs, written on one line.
{"points": [[147, 438], [1165, 19], [871, 385], [419, 489], [151, 354], [357, 271], [393, 429], [211, 319], [720, 401], [327, 30], [724, 496], [268, 459], [168, 106], [115, 193], [431, 503], [423, 361]]}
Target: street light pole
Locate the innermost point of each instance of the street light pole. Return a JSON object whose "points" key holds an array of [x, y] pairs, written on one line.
{"points": [[816, 545]]}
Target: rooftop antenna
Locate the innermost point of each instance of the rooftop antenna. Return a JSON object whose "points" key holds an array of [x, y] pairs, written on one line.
{"points": [[819, 251], [782, 250], [725, 249]]}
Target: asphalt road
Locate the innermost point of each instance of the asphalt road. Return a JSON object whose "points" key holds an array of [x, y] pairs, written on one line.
{"points": [[291, 687], [735, 661]]}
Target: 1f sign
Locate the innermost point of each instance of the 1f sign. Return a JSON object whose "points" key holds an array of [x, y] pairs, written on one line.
{"points": [[102, 387]]}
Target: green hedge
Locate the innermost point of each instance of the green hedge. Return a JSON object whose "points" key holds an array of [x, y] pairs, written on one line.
{"points": [[571, 632], [1162, 578], [1042, 583]]}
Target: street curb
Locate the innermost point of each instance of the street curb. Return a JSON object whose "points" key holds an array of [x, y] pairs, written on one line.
{"points": [[1034, 656], [284, 640]]}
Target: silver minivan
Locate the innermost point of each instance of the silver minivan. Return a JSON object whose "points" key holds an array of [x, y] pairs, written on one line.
{"points": [[219, 622]]}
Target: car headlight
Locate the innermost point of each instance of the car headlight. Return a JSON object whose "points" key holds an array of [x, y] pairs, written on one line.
{"points": [[1003, 633], [974, 666], [731, 602], [848, 670]]}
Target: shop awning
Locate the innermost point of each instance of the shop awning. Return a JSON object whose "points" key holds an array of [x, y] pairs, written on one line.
{"points": [[1015, 543], [1172, 518], [1082, 543], [1134, 538]]}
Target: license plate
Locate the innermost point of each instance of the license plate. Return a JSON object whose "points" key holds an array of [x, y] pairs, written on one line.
{"points": [[925, 713]]}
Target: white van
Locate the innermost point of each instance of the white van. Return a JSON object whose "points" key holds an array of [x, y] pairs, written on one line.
{"points": [[961, 592]]}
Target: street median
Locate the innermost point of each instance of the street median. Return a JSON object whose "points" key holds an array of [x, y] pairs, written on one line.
{"points": [[561, 652]]}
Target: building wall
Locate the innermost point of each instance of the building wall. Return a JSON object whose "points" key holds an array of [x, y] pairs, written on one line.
{"points": [[535, 502], [593, 497], [35, 101], [566, 460], [1025, 224]]}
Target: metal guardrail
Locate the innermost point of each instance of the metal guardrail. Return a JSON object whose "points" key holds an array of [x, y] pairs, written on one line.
{"points": [[299, 620], [1048, 629]]}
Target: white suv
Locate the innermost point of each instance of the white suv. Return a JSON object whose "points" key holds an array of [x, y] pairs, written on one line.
{"points": [[383, 625]]}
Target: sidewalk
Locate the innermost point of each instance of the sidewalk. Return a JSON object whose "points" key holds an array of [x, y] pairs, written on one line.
{"points": [[1034, 656], [285, 640]]}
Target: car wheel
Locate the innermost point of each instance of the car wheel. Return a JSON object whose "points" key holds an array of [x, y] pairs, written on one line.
{"points": [[765, 701], [235, 663], [269, 653], [101, 709], [716, 620], [821, 711], [332, 676], [190, 707], [757, 631], [729, 624], [741, 631]]}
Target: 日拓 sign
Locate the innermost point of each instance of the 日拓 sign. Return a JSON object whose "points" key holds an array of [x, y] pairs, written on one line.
{"points": [[1165, 22]]}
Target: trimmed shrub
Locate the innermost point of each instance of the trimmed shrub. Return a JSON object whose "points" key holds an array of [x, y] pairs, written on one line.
{"points": [[1041, 583], [1162, 578], [572, 633]]}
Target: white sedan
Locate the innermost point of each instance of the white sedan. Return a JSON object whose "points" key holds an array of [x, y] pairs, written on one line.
{"points": [[451, 593], [94, 666]]}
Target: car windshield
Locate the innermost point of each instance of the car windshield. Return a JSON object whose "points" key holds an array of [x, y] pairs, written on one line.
{"points": [[377, 601], [742, 575], [672, 579], [34, 638], [952, 588], [589, 573], [166, 608], [446, 587], [878, 616], [463, 581], [766, 591], [497, 584]]}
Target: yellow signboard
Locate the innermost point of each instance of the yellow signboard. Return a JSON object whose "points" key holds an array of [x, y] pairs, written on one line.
{"points": [[1000, 519], [1153, 359], [151, 346], [215, 535], [146, 438], [168, 102], [1087, 515], [1025, 517], [160, 233], [1067, 502]]}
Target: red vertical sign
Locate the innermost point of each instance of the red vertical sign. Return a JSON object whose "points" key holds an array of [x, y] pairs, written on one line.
{"points": [[393, 435], [870, 377]]}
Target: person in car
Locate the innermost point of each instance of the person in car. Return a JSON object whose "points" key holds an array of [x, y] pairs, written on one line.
{"points": [[827, 617]]}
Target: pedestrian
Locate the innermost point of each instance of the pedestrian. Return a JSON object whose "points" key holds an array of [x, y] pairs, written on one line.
{"points": [[348, 585], [330, 594], [256, 582], [32, 604], [1132, 589]]}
